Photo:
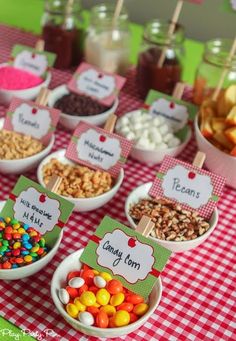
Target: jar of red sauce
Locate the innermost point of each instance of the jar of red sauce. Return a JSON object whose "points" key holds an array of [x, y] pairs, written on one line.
{"points": [[156, 40], [62, 31]]}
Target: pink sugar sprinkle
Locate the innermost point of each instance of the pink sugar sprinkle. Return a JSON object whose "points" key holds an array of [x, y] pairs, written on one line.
{"points": [[12, 78]]}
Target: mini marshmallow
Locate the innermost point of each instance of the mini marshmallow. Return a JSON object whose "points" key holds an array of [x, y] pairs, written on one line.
{"points": [[143, 143], [164, 129], [124, 120], [144, 133], [174, 142], [125, 130], [138, 125], [155, 136], [130, 136], [168, 137], [156, 121]]}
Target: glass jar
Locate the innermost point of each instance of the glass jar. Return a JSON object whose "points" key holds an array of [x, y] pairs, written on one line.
{"points": [[210, 69], [62, 31], [107, 44], [155, 39]]}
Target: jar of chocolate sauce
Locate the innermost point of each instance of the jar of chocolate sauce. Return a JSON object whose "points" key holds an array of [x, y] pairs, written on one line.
{"points": [[156, 40], [62, 31], [107, 43]]}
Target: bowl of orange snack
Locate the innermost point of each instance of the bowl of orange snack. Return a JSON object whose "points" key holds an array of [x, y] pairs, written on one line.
{"points": [[215, 130], [86, 188]]}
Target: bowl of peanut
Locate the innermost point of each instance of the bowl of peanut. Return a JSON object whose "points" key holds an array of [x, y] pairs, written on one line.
{"points": [[20, 153], [175, 228], [86, 188]]}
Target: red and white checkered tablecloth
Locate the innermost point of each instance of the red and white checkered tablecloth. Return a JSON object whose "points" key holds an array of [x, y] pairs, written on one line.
{"points": [[198, 301]]}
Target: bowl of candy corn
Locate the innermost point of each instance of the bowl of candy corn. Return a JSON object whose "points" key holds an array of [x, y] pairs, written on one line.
{"points": [[176, 229], [215, 130], [15, 82], [15, 160], [95, 303], [23, 250], [153, 137]]}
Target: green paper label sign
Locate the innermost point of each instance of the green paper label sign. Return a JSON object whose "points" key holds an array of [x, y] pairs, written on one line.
{"points": [[127, 255], [176, 112], [29, 59], [36, 206]]}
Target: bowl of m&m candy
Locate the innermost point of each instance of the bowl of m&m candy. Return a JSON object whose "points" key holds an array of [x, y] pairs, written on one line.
{"points": [[97, 304], [23, 250]]}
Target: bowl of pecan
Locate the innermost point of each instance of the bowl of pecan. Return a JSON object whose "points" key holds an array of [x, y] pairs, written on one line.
{"points": [[175, 228], [86, 188], [20, 153], [75, 108]]}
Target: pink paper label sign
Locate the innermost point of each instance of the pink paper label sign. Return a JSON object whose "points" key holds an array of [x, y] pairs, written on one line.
{"points": [[31, 60], [90, 81], [194, 188], [29, 118], [96, 148]]}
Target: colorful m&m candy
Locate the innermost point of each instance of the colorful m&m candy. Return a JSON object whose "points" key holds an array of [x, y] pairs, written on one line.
{"points": [[20, 244]]}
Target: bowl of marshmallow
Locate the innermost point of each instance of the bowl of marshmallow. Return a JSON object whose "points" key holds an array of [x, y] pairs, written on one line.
{"points": [[152, 135]]}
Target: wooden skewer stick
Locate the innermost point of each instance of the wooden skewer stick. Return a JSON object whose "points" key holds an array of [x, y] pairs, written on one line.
{"points": [[54, 183], [117, 12], [199, 159], [43, 95], [39, 46], [68, 11], [110, 123], [224, 72], [178, 90], [171, 30], [145, 226]]}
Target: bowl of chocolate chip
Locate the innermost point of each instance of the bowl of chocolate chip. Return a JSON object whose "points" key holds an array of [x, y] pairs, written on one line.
{"points": [[176, 229], [75, 108]]}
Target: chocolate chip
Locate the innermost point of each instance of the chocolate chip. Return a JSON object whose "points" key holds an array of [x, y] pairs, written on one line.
{"points": [[79, 105]]}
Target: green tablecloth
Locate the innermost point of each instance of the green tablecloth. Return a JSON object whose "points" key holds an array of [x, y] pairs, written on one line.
{"points": [[26, 14]]}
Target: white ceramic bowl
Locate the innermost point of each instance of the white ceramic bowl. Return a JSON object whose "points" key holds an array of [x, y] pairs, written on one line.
{"points": [[216, 160], [81, 204], [19, 166], [29, 270], [157, 156], [70, 121], [28, 94], [142, 192], [72, 263]]}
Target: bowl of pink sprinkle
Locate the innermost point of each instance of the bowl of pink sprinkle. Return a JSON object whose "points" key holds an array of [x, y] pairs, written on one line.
{"points": [[15, 82]]}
